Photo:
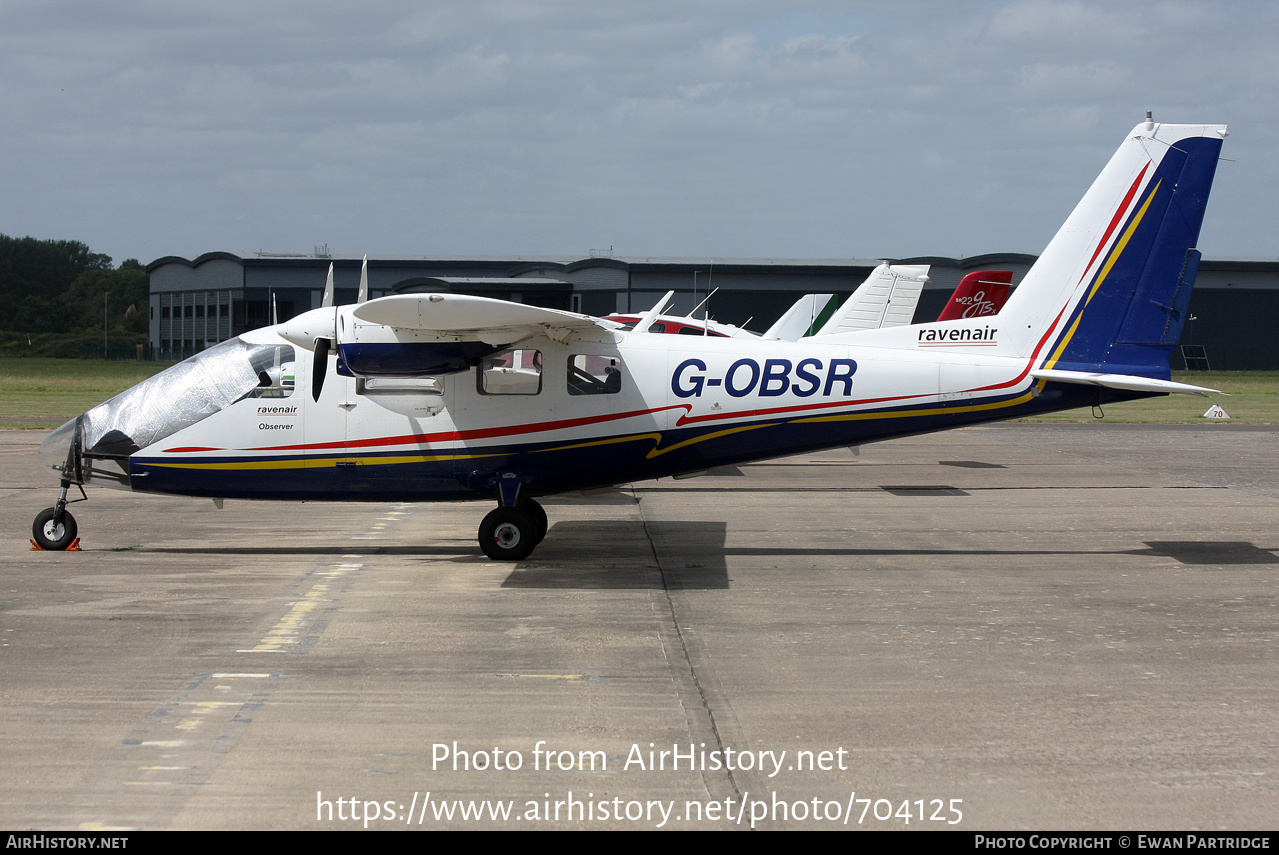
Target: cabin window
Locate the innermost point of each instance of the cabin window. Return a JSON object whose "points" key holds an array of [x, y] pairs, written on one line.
{"points": [[399, 385], [511, 372], [592, 374]]}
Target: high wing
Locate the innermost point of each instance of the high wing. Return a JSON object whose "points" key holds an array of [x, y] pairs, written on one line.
{"points": [[458, 316], [424, 335]]}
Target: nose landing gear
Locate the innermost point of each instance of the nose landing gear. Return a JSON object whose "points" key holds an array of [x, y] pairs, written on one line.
{"points": [[54, 528]]}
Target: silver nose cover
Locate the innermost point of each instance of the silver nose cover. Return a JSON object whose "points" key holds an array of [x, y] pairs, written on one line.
{"points": [[96, 445]]}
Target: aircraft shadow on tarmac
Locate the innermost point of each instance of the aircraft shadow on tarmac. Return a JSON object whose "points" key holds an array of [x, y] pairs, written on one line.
{"points": [[466, 549], [685, 554], [692, 554]]}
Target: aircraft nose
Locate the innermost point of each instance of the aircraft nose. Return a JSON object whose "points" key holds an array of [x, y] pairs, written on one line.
{"points": [[56, 452]]}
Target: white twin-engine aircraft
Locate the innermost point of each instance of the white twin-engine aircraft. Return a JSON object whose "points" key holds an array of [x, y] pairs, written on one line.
{"points": [[443, 397]]}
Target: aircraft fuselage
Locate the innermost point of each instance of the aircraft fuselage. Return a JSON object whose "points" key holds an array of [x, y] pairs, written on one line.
{"points": [[674, 410]]}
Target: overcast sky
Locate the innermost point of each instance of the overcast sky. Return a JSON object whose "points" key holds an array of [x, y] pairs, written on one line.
{"points": [[798, 129]]}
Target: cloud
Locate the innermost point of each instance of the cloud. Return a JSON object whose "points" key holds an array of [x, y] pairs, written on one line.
{"points": [[664, 128]]}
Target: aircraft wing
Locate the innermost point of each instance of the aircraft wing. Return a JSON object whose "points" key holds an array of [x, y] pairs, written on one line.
{"points": [[478, 318]]}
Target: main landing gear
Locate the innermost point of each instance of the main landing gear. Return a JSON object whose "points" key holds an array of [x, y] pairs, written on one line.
{"points": [[510, 534], [54, 528]]}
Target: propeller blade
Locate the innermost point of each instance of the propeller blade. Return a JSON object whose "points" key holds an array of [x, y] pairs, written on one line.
{"points": [[319, 367], [364, 282], [328, 288]]}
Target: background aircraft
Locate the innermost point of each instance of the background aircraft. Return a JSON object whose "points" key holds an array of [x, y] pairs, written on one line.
{"points": [[888, 297]]}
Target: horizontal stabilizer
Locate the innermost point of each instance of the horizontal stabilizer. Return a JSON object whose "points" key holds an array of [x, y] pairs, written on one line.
{"points": [[1122, 381]]}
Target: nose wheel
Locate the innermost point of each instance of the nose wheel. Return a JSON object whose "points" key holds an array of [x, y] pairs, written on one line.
{"points": [[54, 529], [510, 534]]}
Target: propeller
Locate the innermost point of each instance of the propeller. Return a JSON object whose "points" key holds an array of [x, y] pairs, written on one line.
{"points": [[320, 358], [319, 366]]}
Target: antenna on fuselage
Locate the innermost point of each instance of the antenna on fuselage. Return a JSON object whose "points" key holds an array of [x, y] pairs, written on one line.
{"points": [[710, 280], [704, 301], [706, 321]]}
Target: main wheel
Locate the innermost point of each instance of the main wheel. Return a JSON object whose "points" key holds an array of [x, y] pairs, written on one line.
{"points": [[538, 515], [508, 534], [51, 533]]}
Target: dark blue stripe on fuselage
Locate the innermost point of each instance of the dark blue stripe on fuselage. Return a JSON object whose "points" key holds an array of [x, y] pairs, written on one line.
{"points": [[562, 466]]}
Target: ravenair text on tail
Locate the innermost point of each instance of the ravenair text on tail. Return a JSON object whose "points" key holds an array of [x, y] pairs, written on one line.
{"points": [[445, 397]]}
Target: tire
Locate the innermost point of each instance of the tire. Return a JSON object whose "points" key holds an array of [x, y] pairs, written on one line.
{"points": [[53, 536], [508, 534], [538, 514]]}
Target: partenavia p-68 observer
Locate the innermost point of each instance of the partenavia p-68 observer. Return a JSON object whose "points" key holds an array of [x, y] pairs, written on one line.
{"points": [[442, 397]]}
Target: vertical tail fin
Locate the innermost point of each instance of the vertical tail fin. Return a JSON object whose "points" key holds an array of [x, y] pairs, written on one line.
{"points": [[804, 317], [1110, 292]]}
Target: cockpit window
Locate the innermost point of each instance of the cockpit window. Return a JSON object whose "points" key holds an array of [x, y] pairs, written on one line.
{"points": [[274, 365]]}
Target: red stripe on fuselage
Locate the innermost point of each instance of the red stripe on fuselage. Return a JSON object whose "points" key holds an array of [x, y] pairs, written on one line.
{"points": [[1114, 221]]}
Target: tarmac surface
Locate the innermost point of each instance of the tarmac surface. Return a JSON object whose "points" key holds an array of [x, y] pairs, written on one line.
{"points": [[1009, 627]]}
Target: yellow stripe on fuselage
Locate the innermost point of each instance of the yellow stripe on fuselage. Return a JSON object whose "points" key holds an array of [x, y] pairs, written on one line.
{"points": [[318, 463], [934, 411]]}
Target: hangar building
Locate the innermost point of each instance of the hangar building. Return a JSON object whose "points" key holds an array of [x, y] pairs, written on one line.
{"points": [[198, 302]]}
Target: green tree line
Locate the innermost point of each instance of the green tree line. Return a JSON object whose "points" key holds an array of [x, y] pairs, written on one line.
{"points": [[53, 290]]}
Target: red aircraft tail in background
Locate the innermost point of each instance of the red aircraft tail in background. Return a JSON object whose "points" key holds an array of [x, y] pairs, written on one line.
{"points": [[982, 292]]}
